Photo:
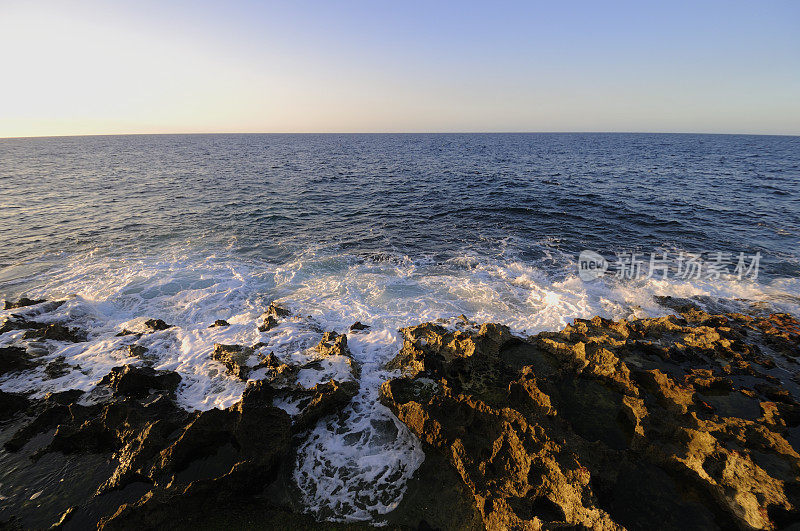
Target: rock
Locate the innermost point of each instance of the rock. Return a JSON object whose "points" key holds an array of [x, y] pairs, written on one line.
{"points": [[14, 359], [269, 323], [137, 351], [157, 325], [11, 404], [64, 518], [24, 301], [220, 322], [137, 382], [56, 332], [325, 399], [278, 374], [57, 368], [333, 344], [358, 326], [277, 310], [16, 322], [610, 424], [234, 357]]}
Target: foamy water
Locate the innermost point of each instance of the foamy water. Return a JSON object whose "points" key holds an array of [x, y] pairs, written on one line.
{"points": [[354, 466]]}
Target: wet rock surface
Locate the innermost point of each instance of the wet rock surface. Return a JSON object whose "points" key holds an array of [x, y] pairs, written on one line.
{"points": [[134, 458], [680, 422], [21, 303], [686, 421]]}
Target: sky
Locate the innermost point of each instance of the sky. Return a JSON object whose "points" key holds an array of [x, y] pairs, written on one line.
{"points": [[100, 67]]}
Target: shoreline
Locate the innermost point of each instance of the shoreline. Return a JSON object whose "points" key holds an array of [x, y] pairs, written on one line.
{"points": [[604, 424]]}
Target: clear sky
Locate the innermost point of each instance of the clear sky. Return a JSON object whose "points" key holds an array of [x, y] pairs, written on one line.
{"points": [[92, 67]]}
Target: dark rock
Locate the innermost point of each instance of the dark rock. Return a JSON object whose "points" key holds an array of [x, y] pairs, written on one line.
{"points": [[272, 316], [157, 325], [277, 310], [220, 322], [137, 382], [57, 368], [326, 399], [16, 322], [269, 323], [14, 359], [57, 332], [195, 465], [358, 326], [137, 351], [234, 357], [11, 404], [24, 301]]}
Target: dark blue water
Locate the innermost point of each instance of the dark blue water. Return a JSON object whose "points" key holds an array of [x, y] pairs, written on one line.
{"points": [[273, 196]]}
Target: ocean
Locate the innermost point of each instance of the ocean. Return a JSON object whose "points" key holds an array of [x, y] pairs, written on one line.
{"points": [[389, 230]]}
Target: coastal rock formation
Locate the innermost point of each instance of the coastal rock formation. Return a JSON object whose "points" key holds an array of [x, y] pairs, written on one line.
{"points": [[21, 303], [196, 463], [681, 421], [234, 357], [274, 313], [684, 421], [334, 344], [14, 359]]}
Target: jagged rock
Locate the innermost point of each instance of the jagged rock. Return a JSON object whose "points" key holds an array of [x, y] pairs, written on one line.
{"points": [[17, 322], [358, 326], [137, 382], [48, 413], [234, 357], [56, 332], [428, 346], [334, 344], [57, 368], [275, 312], [157, 325], [137, 351], [323, 399], [278, 374], [14, 359], [24, 301], [220, 322], [11, 404], [610, 424], [269, 323]]}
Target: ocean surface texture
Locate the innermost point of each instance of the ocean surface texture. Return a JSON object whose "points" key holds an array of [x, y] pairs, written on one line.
{"points": [[388, 230]]}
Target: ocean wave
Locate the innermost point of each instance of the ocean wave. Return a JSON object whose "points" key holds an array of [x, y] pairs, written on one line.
{"points": [[352, 467]]}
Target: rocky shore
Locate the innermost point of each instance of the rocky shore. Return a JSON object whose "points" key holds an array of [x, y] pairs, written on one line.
{"points": [[685, 421]]}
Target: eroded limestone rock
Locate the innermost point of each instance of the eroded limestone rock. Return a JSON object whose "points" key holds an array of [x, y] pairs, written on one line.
{"points": [[672, 422]]}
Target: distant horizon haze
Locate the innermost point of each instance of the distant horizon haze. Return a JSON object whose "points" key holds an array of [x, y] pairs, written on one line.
{"points": [[87, 67]]}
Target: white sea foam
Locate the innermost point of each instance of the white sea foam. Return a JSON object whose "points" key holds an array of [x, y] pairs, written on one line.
{"points": [[355, 466]]}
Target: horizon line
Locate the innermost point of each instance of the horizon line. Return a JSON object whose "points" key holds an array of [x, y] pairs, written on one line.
{"points": [[398, 133]]}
